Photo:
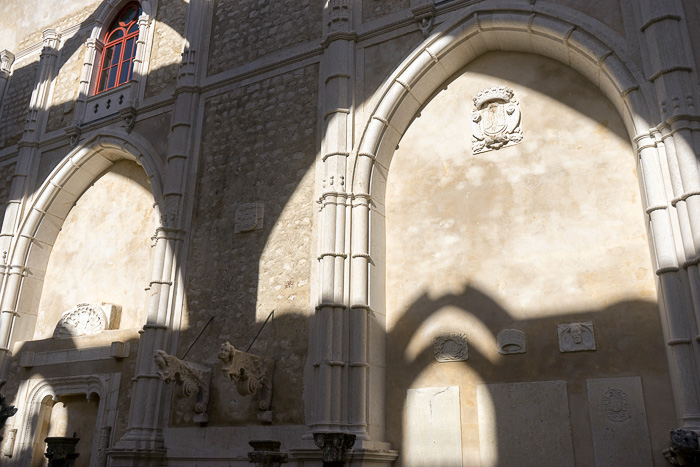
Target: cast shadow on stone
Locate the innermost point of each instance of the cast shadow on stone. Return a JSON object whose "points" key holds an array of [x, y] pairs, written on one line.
{"points": [[543, 361]]}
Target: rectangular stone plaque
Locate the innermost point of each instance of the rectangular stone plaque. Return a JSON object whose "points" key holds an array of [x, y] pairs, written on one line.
{"points": [[433, 428], [524, 424], [618, 422]]}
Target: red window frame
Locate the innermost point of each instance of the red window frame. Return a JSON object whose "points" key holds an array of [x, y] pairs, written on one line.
{"points": [[117, 62]]}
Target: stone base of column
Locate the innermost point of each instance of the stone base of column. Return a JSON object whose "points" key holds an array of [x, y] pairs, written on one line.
{"points": [[121, 457], [684, 448]]}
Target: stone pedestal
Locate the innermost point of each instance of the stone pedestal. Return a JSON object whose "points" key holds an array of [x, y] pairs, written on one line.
{"points": [[266, 453], [60, 451]]}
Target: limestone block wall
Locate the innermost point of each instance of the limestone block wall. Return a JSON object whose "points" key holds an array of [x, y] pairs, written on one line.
{"points": [[167, 46], [531, 236], [245, 31], [258, 146], [17, 97]]}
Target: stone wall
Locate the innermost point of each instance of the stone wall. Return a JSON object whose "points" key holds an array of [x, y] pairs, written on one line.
{"points": [[528, 237], [245, 31], [372, 9], [6, 172], [258, 146], [167, 46], [17, 97], [65, 89], [111, 264]]}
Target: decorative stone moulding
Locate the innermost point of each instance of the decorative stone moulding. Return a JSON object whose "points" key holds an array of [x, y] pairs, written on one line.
{"points": [[86, 319], [190, 380], [248, 217], [266, 453], [495, 120], [576, 337], [251, 373], [511, 341], [451, 348], [334, 446]]}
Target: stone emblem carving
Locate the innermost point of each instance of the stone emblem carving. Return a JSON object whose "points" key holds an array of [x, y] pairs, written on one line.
{"points": [[251, 373], [495, 120], [86, 319], [576, 337], [248, 217], [190, 380], [616, 406], [334, 446], [451, 348], [511, 341]]}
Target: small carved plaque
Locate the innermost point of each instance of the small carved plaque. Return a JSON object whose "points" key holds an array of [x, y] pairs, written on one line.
{"points": [[451, 348], [248, 217], [511, 341], [576, 337], [495, 120], [86, 319], [615, 403]]}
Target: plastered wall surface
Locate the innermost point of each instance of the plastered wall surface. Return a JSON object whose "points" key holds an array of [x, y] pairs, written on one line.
{"points": [[112, 263], [526, 237]]}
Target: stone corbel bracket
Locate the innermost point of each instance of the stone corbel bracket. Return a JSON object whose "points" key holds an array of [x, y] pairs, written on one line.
{"points": [[424, 15], [251, 373], [190, 380], [128, 115]]}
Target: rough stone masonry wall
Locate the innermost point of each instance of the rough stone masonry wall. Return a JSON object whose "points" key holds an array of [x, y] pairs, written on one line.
{"points": [[17, 97], [245, 31], [372, 9], [167, 46], [83, 16], [67, 81], [259, 145]]}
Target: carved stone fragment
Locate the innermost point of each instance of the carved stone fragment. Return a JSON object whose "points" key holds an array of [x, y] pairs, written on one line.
{"points": [[60, 451], [576, 337], [248, 217], [6, 410], [86, 319], [511, 341], [266, 453], [190, 379], [451, 348], [495, 120], [334, 446], [684, 448], [251, 373]]}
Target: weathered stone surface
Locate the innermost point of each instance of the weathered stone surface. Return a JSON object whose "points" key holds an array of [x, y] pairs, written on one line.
{"points": [[245, 31], [618, 422], [167, 46], [67, 80], [17, 97], [372, 9], [433, 434], [525, 424], [258, 145], [6, 172]]}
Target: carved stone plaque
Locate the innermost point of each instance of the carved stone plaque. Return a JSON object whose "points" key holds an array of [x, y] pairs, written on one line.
{"points": [[511, 341], [495, 120], [451, 348], [248, 217], [618, 422], [86, 319], [576, 337]]}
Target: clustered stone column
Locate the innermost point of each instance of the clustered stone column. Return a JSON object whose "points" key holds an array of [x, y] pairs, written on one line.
{"points": [[12, 272], [673, 146]]}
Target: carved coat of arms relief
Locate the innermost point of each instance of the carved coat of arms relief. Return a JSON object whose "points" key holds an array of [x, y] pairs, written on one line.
{"points": [[495, 120]]}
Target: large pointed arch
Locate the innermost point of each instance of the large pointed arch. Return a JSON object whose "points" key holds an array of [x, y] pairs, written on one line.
{"points": [[53, 201]]}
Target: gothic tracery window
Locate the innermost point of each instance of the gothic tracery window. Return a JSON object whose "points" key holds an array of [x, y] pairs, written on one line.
{"points": [[119, 49]]}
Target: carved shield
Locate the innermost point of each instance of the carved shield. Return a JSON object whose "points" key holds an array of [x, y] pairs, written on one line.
{"points": [[496, 120]]}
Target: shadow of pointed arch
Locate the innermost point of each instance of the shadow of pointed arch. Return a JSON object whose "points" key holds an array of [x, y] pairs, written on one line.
{"points": [[628, 343]]}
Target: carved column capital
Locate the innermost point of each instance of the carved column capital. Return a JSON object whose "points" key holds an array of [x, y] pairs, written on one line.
{"points": [[334, 446], [684, 448], [50, 39], [266, 453], [7, 58]]}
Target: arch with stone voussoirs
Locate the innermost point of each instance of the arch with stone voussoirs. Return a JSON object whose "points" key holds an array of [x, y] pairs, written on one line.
{"points": [[559, 33], [51, 204]]}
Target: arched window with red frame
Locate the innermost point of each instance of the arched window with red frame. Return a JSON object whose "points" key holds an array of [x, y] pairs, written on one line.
{"points": [[119, 48]]}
